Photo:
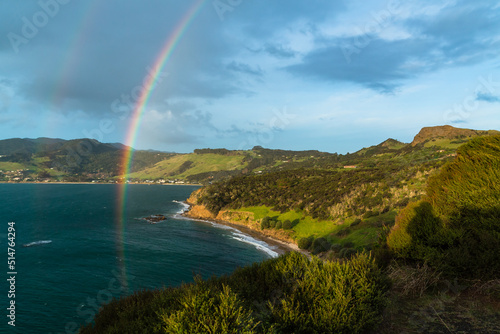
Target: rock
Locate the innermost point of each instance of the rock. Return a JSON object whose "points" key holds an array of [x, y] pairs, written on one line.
{"points": [[153, 219]]}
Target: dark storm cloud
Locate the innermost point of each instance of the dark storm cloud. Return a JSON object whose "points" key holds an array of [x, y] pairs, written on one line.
{"points": [[457, 36]]}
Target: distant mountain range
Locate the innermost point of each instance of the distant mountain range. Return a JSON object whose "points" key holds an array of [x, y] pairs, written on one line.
{"points": [[91, 160]]}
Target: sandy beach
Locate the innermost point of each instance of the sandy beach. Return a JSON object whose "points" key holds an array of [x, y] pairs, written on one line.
{"points": [[279, 246]]}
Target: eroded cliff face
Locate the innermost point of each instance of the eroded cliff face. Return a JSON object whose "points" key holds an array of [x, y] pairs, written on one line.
{"points": [[198, 210], [193, 198]]}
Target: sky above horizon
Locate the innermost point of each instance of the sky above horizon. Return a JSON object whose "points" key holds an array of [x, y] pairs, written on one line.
{"points": [[333, 76]]}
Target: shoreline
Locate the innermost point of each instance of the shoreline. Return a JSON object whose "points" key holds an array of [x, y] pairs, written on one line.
{"points": [[281, 247], [106, 183]]}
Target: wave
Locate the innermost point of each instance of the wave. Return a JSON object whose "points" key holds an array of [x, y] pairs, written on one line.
{"points": [[260, 245], [36, 243], [236, 234], [184, 208]]}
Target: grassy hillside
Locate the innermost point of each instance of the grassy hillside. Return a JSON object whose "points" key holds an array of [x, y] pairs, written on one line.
{"points": [[343, 209], [186, 165]]}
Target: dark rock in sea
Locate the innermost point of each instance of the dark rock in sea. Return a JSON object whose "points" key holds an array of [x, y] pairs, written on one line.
{"points": [[153, 219]]}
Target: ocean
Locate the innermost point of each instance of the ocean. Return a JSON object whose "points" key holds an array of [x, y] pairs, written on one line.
{"points": [[71, 254]]}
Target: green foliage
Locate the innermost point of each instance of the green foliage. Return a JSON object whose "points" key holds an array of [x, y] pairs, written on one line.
{"points": [[347, 253], [289, 294], [320, 245], [467, 191], [265, 223], [399, 240], [204, 309], [287, 225], [305, 243], [279, 225], [457, 227], [356, 222], [272, 223]]}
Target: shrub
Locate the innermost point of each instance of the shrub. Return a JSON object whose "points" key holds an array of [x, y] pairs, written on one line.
{"points": [[369, 214], [348, 244], [356, 222], [344, 232], [305, 243], [279, 225], [336, 247], [288, 294], [207, 310], [347, 252], [272, 223], [320, 245], [399, 240], [287, 225], [265, 223], [331, 297]]}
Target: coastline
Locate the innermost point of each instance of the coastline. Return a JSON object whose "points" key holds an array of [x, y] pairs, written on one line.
{"points": [[142, 183], [279, 246]]}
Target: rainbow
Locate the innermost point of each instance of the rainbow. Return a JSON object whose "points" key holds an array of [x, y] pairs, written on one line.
{"points": [[137, 114]]}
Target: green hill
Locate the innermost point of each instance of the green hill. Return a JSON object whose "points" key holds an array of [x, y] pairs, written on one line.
{"points": [[456, 226], [86, 159], [66, 160]]}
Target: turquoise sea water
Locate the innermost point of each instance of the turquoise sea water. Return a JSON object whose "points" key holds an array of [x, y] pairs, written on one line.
{"points": [[68, 258]]}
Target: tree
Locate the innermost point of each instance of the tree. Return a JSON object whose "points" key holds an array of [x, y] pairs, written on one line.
{"points": [[265, 223]]}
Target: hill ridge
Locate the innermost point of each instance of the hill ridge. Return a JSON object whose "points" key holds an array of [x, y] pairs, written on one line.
{"points": [[448, 132]]}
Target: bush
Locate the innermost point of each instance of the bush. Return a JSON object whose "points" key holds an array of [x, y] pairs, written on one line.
{"points": [[344, 232], [348, 244], [279, 225], [265, 223], [346, 253], [272, 223], [320, 245], [336, 247], [305, 243], [288, 294], [368, 214], [356, 222], [207, 310], [287, 225]]}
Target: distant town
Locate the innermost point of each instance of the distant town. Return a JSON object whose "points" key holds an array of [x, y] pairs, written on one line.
{"points": [[25, 175]]}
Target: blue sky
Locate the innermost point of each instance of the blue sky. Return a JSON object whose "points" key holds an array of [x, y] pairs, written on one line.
{"points": [[334, 76]]}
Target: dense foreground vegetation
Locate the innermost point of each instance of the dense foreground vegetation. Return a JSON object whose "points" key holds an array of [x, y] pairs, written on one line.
{"points": [[456, 226], [289, 294]]}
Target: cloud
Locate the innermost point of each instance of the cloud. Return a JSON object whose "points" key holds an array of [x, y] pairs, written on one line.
{"points": [[487, 97], [244, 68], [454, 36], [175, 127], [279, 51], [381, 66]]}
